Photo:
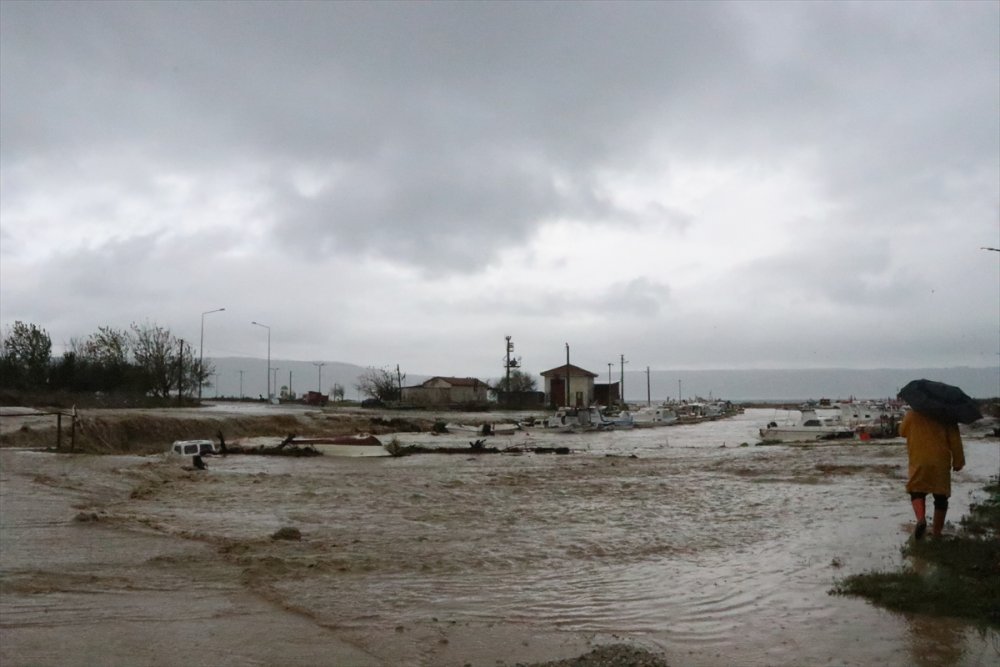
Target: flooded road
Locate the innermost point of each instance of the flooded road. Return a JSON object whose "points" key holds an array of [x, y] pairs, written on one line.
{"points": [[678, 539]]}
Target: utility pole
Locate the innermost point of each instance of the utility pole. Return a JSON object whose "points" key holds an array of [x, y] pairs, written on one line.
{"points": [[507, 367], [399, 383], [649, 397], [274, 384], [289, 383], [180, 374], [610, 364], [624, 403], [241, 384], [567, 375], [509, 364]]}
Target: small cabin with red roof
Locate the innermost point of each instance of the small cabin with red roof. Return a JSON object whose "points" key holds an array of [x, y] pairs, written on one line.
{"points": [[578, 381]]}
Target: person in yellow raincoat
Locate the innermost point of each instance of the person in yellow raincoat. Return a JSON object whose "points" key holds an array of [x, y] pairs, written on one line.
{"points": [[935, 449]]}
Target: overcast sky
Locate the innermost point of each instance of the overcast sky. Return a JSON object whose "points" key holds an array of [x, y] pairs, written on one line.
{"points": [[695, 186]]}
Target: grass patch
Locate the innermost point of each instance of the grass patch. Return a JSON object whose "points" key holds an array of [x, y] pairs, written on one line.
{"points": [[983, 518], [957, 576]]}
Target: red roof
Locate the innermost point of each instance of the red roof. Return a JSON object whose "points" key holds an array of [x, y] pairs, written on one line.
{"points": [[457, 382], [560, 371]]}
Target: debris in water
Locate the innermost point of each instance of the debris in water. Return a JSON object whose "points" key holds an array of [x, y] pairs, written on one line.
{"points": [[287, 533]]}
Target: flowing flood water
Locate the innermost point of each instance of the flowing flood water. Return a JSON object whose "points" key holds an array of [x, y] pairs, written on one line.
{"points": [[675, 538]]}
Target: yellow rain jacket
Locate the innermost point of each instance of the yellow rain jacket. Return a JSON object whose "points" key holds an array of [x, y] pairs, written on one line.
{"points": [[935, 448]]}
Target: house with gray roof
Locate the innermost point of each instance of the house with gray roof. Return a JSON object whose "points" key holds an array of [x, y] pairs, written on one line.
{"points": [[447, 391]]}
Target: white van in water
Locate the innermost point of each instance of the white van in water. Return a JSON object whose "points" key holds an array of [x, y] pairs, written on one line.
{"points": [[194, 447]]}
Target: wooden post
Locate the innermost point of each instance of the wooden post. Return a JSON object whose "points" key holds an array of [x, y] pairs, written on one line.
{"points": [[58, 431], [72, 432]]}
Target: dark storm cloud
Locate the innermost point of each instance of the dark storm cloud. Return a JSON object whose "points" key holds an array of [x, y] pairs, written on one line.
{"points": [[441, 138], [456, 126]]}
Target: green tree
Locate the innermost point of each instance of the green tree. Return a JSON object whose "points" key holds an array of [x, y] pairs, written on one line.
{"points": [[507, 393], [196, 370], [157, 357], [65, 373], [519, 381], [26, 353], [109, 346], [105, 361]]}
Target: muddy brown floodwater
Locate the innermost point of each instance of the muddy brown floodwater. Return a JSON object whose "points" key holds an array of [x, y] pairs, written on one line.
{"points": [[677, 540]]}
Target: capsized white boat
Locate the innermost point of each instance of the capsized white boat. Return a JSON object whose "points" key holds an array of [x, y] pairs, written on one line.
{"points": [[576, 420], [809, 428]]}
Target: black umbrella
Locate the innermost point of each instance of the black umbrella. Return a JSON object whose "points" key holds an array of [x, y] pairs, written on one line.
{"points": [[940, 401]]}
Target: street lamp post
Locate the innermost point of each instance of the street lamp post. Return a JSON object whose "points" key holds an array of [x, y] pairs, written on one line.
{"points": [[201, 349], [268, 373], [319, 375]]}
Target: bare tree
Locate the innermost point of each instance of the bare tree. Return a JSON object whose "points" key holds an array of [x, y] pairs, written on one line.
{"points": [[381, 384]]}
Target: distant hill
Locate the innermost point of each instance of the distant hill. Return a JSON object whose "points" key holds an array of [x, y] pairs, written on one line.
{"points": [[736, 385], [305, 376], [794, 385]]}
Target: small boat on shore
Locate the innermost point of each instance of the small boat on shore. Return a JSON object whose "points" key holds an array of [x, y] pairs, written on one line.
{"points": [[578, 420], [655, 416], [620, 420], [809, 428], [878, 419]]}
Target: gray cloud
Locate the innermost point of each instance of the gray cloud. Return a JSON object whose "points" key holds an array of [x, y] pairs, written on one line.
{"points": [[437, 138]]}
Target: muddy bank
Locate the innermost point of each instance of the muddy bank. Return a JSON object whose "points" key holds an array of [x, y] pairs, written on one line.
{"points": [[144, 431]]}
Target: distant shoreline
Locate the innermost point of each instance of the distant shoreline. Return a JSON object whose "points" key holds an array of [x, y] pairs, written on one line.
{"points": [[766, 386]]}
